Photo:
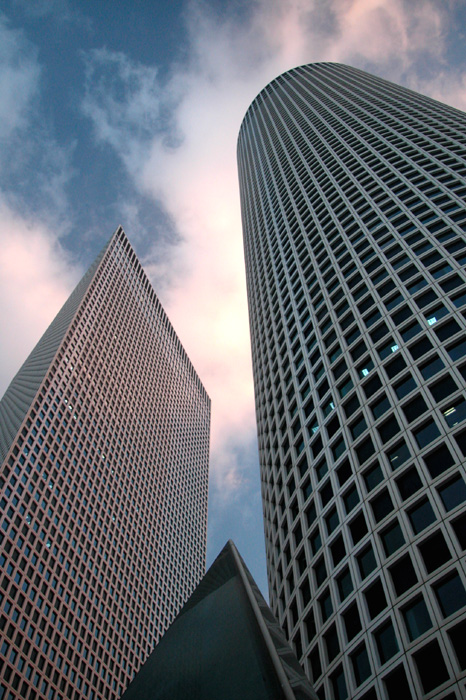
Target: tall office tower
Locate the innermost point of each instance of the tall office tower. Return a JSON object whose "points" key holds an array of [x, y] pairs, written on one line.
{"points": [[353, 203], [104, 440], [225, 643]]}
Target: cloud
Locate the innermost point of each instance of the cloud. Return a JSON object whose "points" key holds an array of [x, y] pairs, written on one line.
{"points": [[177, 139], [36, 277]]}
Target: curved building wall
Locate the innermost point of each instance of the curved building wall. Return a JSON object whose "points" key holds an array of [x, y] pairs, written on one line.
{"points": [[353, 203]]}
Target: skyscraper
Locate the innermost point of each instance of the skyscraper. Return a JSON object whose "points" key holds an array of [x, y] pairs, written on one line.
{"points": [[225, 643], [353, 203], [104, 439]]}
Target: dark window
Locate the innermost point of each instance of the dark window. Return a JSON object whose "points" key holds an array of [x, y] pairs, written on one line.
{"points": [[397, 684], [316, 541], [358, 427], [453, 493], [381, 505], [316, 665], [366, 561], [420, 348], [426, 298], [375, 599], [361, 665], [459, 526], [358, 528], [450, 594], [326, 493], [410, 331], [408, 483], [395, 367], [438, 461], [414, 408], [344, 584], [364, 450], [352, 621], [351, 406], [421, 515], [398, 455], [426, 434], [380, 407], [373, 476], [392, 538], [338, 550], [332, 521], [432, 367], [454, 413], [434, 552], [326, 607], [388, 429], [443, 388], [458, 350], [406, 385], [431, 666], [387, 644], [331, 642], [417, 619], [351, 499], [371, 386], [457, 636], [320, 572], [403, 574], [338, 448], [344, 472], [337, 678]]}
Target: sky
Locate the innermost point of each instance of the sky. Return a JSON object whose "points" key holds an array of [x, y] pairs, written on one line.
{"points": [[128, 113]]}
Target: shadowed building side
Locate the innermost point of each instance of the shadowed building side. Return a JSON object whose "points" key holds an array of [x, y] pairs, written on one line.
{"points": [[225, 643]]}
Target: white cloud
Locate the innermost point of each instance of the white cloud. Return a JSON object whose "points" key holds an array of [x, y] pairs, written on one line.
{"points": [[178, 141], [36, 277]]}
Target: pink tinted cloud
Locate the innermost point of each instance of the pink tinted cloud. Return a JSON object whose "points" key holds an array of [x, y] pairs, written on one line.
{"points": [[229, 63], [36, 278]]}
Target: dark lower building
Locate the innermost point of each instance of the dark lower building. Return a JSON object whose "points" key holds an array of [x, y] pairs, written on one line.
{"points": [[225, 643], [353, 199], [104, 444]]}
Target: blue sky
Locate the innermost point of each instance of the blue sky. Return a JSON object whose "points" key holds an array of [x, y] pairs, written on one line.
{"points": [[128, 113]]}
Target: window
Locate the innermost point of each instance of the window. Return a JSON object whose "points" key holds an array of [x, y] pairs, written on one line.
{"points": [[344, 584], [364, 450], [404, 387], [397, 684], [443, 388], [403, 574], [431, 666], [337, 678], [332, 521], [373, 476], [450, 594], [386, 641], [381, 505], [416, 618], [320, 572], [388, 429], [457, 636], [452, 493], [361, 665], [408, 483], [375, 599], [434, 552], [332, 644], [414, 408], [366, 561], [380, 407], [352, 621], [316, 665], [454, 413], [426, 434], [351, 499], [392, 538], [439, 461], [326, 607], [429, 369], [421, 515], [358, 427], [358, 528]]}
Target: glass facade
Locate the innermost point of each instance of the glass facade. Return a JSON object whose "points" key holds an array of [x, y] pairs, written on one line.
{"points": [[353, 202], [105, 438]]}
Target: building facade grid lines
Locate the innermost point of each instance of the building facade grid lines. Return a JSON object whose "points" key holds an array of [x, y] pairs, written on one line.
{"points": [[353, 202], [104, 491]]}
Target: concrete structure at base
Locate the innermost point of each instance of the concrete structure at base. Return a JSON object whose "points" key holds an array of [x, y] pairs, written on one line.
{"points": [[225, 643], [104, 444], [353, 201]]}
